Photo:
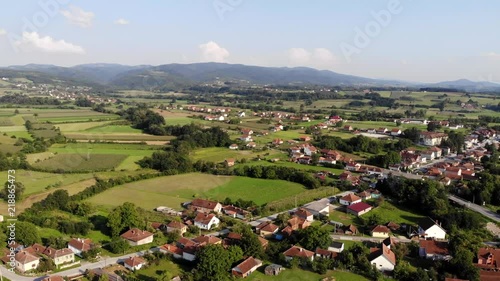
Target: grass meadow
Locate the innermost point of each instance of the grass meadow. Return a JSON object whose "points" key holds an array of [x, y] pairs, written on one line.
{"points": [[171, 191], [80, 162]]}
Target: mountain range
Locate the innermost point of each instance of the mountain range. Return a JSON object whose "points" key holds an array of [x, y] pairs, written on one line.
{"points": [[176, 76]]}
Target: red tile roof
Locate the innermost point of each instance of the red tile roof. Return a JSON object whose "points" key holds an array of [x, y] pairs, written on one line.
{"points": [[81, 244], [247, 265], [268, 227], [298, 252], [204, 218], [358, 207], [485, 275], [234, 236], [176, 224], [381, 228], [488, 258], [24, 257], [134, 261], [171, 249], [434, 247], [136, 234], [205, 240], [350, 198], [202, 203]]}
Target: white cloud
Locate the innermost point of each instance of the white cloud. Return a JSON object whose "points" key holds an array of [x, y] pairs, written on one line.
{"points": [[33, 41], [122, 21], [492, 55], [211, 51], [78, 16], [318, 58], [299, 56], [2, 31]]}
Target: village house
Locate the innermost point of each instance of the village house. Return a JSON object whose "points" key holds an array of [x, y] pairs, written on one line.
{"points": [[336, 247], [304, 138], [246, 138], [176, 226], [58, 256], [348, 128], [319, 207], [359, 209], [364, 195], [235, 212], [205, 206], [296, 223], [266, 229], [434, 250], [233, 146], [204, 240], [347, 176], [298, 252], [26, 260], [206, 221], [304, 214], [246, 267], [80, 245], [353, 166], [137, 237], [134, 263], [349, 199], [229, 162], [380, 231], [396, 132], [170, 249], [428, 228], [432, 138], [251, 144], [428, 155], [383, 259], [277, 141], [488, 259], [335, 119], [325, 254]]}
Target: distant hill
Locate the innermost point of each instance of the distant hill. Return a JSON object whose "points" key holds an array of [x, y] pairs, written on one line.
{"points": [[175, 76]]}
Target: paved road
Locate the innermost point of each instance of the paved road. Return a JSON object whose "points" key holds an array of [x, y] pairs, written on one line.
{"points": [[74, 271], [364, 238], [476, 208]]}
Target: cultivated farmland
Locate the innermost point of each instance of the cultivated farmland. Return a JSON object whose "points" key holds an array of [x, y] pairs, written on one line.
{"points": [[81, 162]]}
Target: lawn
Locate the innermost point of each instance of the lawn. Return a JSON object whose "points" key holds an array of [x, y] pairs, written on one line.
{"points": [[81, 162], [258, 190], [342, 217], [36, 182], [152, 272], [303, 275], [398, 214], [171, 191]]}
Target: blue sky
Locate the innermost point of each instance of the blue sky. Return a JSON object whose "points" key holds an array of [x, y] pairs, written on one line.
{"points": [[399, 39]]}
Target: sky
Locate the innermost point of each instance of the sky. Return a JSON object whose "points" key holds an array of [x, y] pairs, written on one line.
{"points": [[424, 41]]}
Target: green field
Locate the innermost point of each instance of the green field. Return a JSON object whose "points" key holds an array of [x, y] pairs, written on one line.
{"points": [[397, 214], [35, 182], [81, 162], [173, 190], [151, 272], [80, 126], [303, 275], [113, 129], [219, 154]]}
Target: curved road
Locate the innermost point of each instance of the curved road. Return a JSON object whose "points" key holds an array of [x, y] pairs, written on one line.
{"points": [[474, 207]]}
